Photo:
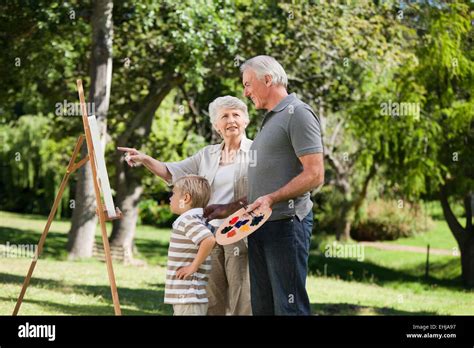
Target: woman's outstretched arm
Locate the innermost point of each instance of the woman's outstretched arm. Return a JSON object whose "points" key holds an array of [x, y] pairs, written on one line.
{"points": [[135, 158]]}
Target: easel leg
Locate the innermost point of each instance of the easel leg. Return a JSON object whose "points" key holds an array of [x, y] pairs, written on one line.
{"points": [[52, 213], [108, 260]]}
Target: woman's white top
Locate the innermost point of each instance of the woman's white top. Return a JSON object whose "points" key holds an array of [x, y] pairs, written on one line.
{"points": [[222, 189]]}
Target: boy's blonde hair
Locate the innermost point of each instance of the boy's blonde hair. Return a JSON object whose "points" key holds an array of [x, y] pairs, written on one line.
{"points": [[197, 187]]}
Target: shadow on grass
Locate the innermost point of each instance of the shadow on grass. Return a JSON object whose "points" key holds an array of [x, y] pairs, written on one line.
{"points": [[7, 278], [77, 309], [34, 217], [147, 301], [367, 272], [154, 252], [352, 309], [54, 247]]}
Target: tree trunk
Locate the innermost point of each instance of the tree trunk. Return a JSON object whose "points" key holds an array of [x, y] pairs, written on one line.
{"points": [[128, 180], [84, 219], [463, 236], [351, 205], [129, 191], [343, 226], [467, 262]]}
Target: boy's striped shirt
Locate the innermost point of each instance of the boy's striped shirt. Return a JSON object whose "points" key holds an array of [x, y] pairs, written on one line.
{"points": [[188, 232]]}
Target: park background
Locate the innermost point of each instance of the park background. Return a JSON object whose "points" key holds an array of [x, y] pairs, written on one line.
{"points": [[392, 82]]}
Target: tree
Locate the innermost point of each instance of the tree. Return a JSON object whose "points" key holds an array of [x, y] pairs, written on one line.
{"points": [[42, 57], [162, 47], [84, 218], [447, 72]]}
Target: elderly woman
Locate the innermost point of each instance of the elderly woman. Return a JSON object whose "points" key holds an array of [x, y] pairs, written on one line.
{"points": [[225, 167]]}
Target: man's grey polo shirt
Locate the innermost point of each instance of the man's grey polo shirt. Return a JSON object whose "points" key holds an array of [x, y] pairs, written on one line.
{"points": [[290, 130]]}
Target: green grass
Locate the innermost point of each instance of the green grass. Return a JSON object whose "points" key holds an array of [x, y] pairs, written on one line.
{"points": [[383, 283], [438, 237], [81, 288]]}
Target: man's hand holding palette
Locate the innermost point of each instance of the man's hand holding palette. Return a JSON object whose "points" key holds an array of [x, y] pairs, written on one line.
{"points": [[240, 224]]}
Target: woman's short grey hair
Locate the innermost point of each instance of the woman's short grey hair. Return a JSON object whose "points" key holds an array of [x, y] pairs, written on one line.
{"points": [[226, 102], [266, 65]]}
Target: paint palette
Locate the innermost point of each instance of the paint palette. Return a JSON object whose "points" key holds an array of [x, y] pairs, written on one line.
{"points": [[240, 224]]}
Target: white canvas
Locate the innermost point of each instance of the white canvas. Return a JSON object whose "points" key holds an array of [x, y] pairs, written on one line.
{"points": [[101, 168]]}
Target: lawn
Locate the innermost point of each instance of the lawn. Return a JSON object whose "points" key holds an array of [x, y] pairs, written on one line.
{"points": [[383, 282]]}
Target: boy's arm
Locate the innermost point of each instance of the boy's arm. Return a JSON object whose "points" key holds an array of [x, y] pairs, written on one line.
{"points": [[205, 248]]}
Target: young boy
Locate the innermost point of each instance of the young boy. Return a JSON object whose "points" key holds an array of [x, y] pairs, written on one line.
{"points": [[191, 243]]}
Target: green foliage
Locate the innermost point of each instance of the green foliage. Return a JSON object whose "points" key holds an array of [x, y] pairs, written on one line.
{"points": [[155, 41], [326, 210], [34, 165], [154, 214], [446, 71], [169, 141], [390, 220], [43, 54]]}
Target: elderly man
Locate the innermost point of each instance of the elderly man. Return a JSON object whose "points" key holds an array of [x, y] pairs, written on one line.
{"points": [[289, 165]]}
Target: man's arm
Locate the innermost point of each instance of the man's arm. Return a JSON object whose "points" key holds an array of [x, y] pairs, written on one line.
{"points": [[221, 211], [310, 178]]}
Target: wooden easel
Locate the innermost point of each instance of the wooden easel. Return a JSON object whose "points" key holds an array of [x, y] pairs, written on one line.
{"points": [[103, 217]]}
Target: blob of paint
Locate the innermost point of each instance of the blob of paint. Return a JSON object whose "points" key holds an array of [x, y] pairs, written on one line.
{"points": [[256, 220], [245, 228], [226, 229], [241, 223]]}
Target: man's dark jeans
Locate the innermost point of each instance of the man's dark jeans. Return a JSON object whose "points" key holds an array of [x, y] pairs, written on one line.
{"points": [[278, 262]]}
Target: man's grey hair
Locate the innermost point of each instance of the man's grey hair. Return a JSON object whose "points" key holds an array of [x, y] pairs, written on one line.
{"points": [[226, 102], [266, 65]]}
